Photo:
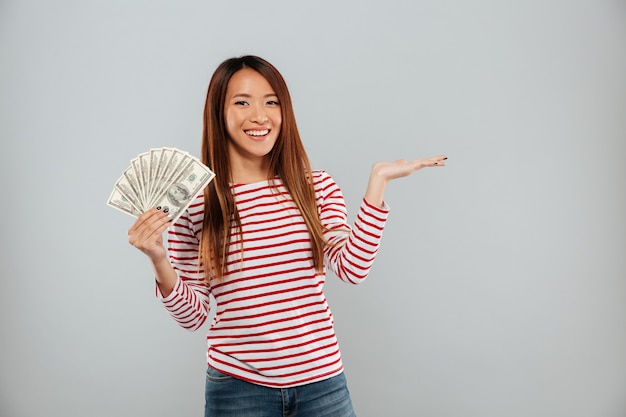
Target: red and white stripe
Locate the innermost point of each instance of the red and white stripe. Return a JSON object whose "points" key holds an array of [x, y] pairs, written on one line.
{"points": [[272, 325]]}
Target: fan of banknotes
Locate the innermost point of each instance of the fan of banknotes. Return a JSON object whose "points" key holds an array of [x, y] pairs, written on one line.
{"points": [[162, 177]]}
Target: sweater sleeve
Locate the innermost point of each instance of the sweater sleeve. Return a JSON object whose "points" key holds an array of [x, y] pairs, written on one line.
{"points": [[188, 303], [350, 251]]}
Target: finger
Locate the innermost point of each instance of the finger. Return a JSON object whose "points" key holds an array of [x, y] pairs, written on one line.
{"points": [[148, 227], [439, 160], [153, 227], [145, 218], [149, 242], [422, 163], [141, 219], [159, 226]]}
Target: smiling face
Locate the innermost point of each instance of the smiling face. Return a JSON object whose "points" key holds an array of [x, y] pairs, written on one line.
{"points": [[253, 121]]}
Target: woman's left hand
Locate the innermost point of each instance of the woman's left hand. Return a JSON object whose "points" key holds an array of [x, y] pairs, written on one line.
{"points": [[383, 172], [402, 168]]}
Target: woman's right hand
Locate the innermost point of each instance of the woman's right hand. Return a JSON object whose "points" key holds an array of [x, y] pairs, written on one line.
{"points": [[147, 234]]}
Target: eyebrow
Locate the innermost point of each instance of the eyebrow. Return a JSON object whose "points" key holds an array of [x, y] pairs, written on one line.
{"points": [[244, 95]]}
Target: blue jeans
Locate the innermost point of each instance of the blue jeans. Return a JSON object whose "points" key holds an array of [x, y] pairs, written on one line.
{"points": [[231, 397]]}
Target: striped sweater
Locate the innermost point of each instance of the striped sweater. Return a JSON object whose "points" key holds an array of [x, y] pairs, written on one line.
{"points": [[272, 325]]}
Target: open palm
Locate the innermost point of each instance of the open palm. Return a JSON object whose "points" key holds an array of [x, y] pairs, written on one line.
{"points": [[403, 168]]}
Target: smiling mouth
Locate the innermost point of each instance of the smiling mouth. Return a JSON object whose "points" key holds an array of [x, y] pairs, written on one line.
{"points": [[257, 132]]}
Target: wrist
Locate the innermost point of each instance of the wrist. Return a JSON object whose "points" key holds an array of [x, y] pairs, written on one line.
{"points": [[375, 189]]}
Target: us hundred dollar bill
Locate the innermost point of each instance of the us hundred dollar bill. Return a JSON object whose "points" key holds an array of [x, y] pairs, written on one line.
{"points": [[174, 161], [121, 203], [185, 186], [163, 177], [128, 187]]}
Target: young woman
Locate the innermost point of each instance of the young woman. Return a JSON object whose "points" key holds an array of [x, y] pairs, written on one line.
{"points": [[259, 241]]}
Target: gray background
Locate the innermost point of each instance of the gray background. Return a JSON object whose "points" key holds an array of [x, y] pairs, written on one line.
{"points": [[500, 286]]}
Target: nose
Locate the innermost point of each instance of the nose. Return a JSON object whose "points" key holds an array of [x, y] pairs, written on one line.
{"points": [[259, 115]]}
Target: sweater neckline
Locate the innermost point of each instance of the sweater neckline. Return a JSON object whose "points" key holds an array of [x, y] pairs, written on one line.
{"points": [[254, 183]]}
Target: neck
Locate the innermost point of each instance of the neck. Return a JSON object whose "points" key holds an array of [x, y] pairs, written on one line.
{"points": [[248, 172]]}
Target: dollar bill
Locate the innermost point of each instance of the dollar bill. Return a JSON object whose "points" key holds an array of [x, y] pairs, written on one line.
{"points": [[174, 158], [186, 186], [164, 177], [118, 201]]}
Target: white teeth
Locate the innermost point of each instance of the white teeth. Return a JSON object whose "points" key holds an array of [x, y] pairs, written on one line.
{"points": [[257, 132]]}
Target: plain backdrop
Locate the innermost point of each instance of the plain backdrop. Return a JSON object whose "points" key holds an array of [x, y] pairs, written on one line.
{"points": [[500, 287]]}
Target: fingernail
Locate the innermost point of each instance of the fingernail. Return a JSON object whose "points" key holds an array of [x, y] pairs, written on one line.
{"points": [[445, 158], [165, 210], [158, 208]]}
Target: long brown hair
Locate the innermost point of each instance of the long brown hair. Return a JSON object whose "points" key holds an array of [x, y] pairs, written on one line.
{"points": [[288, 161]]}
